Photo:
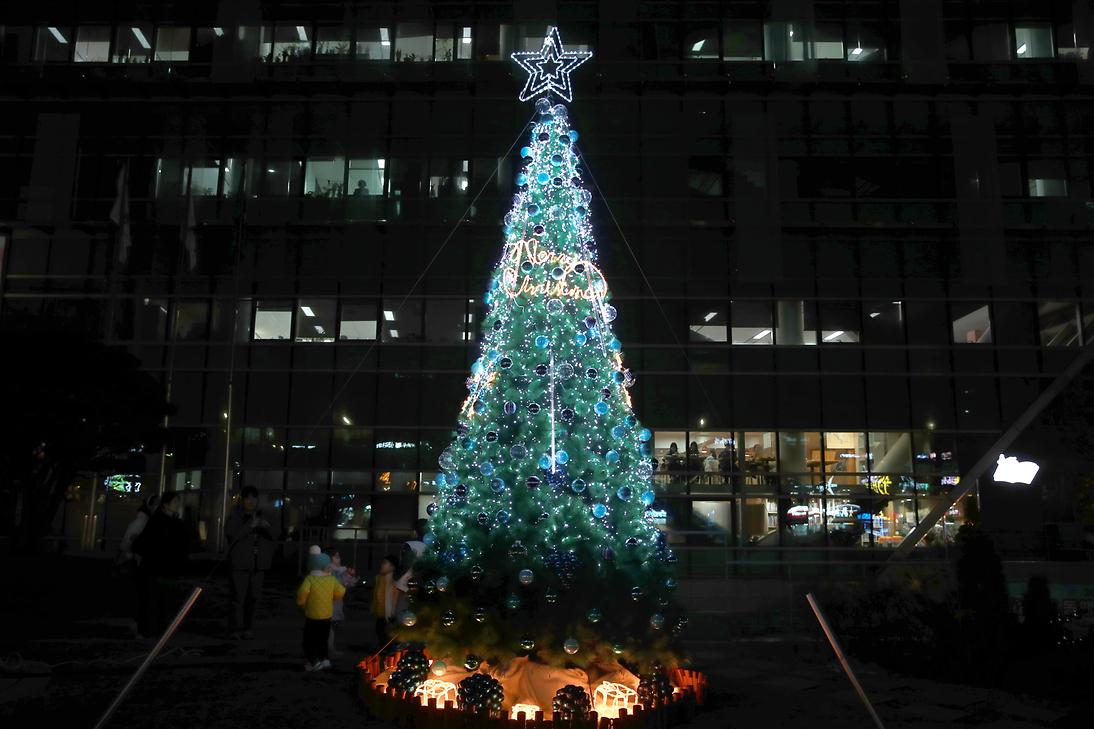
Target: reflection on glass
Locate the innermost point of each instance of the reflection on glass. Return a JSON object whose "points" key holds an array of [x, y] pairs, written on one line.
{"points": [[971, 324], [701, 43], [133, 43], [374, 43], [883, 322], [358, 321], [53, 43], [413, 42], [172, 43], [315, 320], [751, 322], [92, 44], [1033, 40], [273, 320]]}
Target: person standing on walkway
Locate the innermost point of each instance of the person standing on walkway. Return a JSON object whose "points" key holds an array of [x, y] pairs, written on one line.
{"points": [[161, 548], [252, 541], [412, 549], [316, 596], [383, 599]]}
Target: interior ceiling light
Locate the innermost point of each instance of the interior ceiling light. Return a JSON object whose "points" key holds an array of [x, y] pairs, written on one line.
{"points": [[307, 311], [710, 316], [389, 315], [141, 39], [57, 34], [761, 334], [834, 335]]}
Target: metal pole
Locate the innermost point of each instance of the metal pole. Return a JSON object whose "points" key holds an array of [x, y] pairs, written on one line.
{"points": [[842, 659], [149, 658]]}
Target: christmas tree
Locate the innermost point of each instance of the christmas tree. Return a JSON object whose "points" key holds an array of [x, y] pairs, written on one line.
{"points": [[540, 543]]}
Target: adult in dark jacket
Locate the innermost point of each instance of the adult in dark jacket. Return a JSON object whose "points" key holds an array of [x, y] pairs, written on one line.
{"points": [[162, 546], [252, 541]]}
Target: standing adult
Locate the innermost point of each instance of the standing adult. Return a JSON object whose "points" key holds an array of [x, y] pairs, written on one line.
{"points": [[412, 549], [162, 548], [252, 541]]}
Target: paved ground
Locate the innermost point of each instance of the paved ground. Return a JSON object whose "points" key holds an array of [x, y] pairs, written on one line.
{"points": [[61, 671]]}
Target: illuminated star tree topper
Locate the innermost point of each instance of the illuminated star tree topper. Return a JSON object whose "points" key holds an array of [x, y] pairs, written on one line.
{"points": [[549, 68]]}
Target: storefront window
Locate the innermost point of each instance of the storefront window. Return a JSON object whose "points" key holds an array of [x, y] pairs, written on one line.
{"points": [[784, 41], [452, 42], [133, 43], [758, 451], [670, 453], [172, 44], [446, 320], [92, 44], [358, 321], [759, 522], [315, 320], [413, 42], [1047, 178], [324, 177], [273, 320], [971, 323], [374, 43], [845, 453]]}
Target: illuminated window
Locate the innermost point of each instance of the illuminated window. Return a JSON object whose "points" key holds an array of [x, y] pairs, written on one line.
{"points": [[172, 43], [273, 320], [882, 322], [971, 323], [1047, 178], [366, 177], [204, 178], [358, 321], [1033, 40], [316, 320], [742, 40], [784, 41], [751, 322], [133, 43], [1059, 324], [54, 43], [169, 177], [413, 42], [92, 44], [702, 43], [839, 321], [332, 41], [291, 43], [828, 41], [281, 178], [708, 323], [324, 177], [374, 44]]}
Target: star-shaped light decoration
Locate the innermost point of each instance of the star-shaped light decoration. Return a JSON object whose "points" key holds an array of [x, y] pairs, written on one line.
{"points": [[549, 68]]}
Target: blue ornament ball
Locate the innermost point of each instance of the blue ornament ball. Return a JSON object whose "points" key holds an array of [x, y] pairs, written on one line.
{"points": [[518, 451], [562, 458], [543, 178], [486, 468], [601, 408], [631, 421], [510, 407], [502, 516], [618, 431], [644, 434], [497, 485], [542, 341], [624, 493], [578, 485], [580, 339], [545, 461], [648, 497], [600, 511], [612, 456], [522, 179], [573, 135], [525, 151]]}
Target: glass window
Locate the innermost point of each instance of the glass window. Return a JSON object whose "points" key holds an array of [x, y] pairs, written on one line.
{"points": [[169, 174], [291, 43], [151, 320], [192, 320], [717, 457], [742, 40], [706, 175], [447, 176], [413, 42], [839, 322], [234, 178], [865, 44], [366, 177], [845, 453], [883, 322], [669, 451], [1059, 324], [374, 44], [709, 323], [971, 323], [991, 42], [1047, 178], [784, 41], [447, 320], [315, 320], [133, 43], [795, 322], [444, 44], [463, 43], [205, 39], [402, 320], [273, 320], [172, 43], [358, 321], [254, 41], [92, 44], [204, 178], [332, 40], [828, 41], [281, 178], [324, 177], [751, 322], [53, 43], [890, 452], [701, 43], [800, 456], [1033, 40], [758, 449]]}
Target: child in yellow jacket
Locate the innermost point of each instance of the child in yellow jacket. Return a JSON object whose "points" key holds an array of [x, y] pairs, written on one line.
{"points": [[316, 597]]}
